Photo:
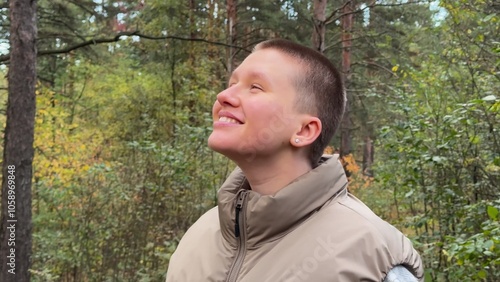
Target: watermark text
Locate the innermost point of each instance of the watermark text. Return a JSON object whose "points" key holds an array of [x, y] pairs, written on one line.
{"points": [[11, 220]]}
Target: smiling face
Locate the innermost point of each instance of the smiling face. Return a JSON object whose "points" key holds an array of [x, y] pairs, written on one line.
{"points": [[255, 116]]}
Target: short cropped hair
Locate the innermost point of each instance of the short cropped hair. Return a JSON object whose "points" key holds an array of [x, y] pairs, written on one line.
{"points": [[320, 90]]}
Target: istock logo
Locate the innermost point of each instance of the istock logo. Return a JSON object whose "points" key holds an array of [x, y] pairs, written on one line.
{"points": [[302, 271], [279, 122]]}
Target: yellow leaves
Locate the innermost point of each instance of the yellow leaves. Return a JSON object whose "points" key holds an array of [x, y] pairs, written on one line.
{"points": [[495, 108], [469, 161], [492, 168], [60, 151], [475, 139], [356, 178], [350, 164], [329, 150], [72, 126], [395, 68]]}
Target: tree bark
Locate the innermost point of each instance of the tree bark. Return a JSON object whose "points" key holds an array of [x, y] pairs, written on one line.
{"points": [[368, 153], [232, 13], [192, 29], [368, 147], [16, 226], [319, 22], [346, 23]]}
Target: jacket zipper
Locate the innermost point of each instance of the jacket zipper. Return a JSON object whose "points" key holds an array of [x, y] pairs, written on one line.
{"points": [[240, 234]]}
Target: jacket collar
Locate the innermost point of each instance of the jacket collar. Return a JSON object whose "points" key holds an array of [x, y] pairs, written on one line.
{"points": [[269, 217]]}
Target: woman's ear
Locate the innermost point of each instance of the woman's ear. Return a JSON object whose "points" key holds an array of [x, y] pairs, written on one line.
{"points": [[307, 133]]}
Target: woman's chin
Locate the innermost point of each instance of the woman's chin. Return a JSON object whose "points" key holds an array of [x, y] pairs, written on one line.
{"points": [[218, 145], [232, 152]]}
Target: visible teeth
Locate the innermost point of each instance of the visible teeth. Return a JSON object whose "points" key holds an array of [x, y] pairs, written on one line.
{"points": [[227, 119]]}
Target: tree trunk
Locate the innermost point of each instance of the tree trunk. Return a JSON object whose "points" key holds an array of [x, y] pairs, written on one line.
{"points": [[368, 153], [192, 29], [371, 72], [15, 241], [232, 13], [319, 21], [192, 19], [346, 23]]}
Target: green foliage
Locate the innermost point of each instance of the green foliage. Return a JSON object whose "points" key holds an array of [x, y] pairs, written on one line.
{"points": [[439, 155], [122, 220], [122, 168], [476, 256]]}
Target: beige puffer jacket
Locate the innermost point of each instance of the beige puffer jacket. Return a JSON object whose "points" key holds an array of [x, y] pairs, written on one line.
{"points": [[311, 230]]}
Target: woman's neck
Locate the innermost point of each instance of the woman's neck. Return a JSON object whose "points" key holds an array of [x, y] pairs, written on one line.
{"points": [[268, 176]]}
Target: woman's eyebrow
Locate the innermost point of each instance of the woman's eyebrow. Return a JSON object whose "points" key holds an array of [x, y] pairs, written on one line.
{"points": [[252, 75], [259, 75]]}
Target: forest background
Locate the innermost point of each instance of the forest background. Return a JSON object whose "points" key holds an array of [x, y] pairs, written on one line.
{"points": [[124, 92]]}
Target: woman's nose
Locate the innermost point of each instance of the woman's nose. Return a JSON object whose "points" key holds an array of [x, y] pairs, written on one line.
{"points": [[228, 97]]}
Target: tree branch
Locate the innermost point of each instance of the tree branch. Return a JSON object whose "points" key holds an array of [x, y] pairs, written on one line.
{"points": [[371, 63], [5, 58], [373, 4]]}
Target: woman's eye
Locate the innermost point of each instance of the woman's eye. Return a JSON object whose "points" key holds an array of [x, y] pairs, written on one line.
{"points": [[255, 86]]}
